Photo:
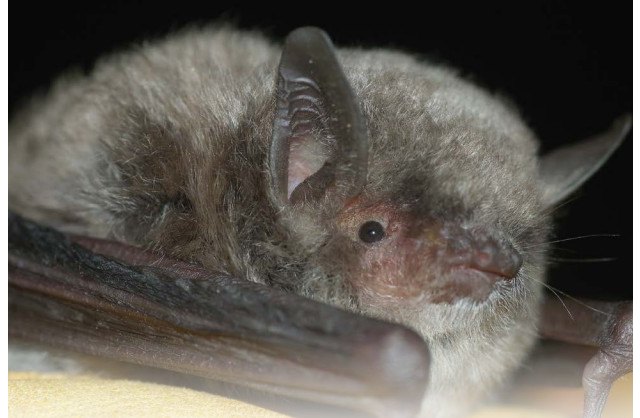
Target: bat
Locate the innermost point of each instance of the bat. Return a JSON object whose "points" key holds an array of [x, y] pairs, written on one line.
{"points": [[369, 181]]}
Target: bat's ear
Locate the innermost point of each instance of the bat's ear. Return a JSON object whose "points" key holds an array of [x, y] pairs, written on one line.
{"points": [[319, 145], [564, 170]]}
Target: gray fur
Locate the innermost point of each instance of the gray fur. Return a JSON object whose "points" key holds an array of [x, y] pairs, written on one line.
{"points": [[166, 146]]}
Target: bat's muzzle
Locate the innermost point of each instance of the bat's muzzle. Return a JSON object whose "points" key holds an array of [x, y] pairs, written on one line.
{"points": [[470, 261]]}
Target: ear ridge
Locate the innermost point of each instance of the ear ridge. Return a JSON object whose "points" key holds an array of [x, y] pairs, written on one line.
{"points": [[315, 105], [564, 170]]}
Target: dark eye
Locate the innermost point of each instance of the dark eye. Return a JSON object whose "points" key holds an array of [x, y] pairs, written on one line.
{"points": [[371, 231]]}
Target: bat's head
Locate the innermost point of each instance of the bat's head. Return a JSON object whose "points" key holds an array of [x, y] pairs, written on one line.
{"points": [[413, 186]]}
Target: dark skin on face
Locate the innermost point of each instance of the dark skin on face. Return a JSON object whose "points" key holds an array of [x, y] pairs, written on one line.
{"points": [[109, 299]]}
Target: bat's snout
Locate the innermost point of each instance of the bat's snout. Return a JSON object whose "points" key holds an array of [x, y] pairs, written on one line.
{"points": [[476, 249], [472, 261]]}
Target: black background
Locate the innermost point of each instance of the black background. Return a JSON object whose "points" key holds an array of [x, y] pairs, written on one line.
{"points": [[567, 65]]}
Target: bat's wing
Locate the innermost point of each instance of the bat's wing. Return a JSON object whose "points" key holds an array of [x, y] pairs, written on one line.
{"points": [[108, 299], [608, 326]]}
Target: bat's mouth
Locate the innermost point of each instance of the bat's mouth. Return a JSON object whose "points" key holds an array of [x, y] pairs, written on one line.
{"points": [[471, 283]]}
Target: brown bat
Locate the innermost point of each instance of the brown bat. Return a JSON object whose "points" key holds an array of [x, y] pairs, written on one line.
{"points": [[369, 181]]}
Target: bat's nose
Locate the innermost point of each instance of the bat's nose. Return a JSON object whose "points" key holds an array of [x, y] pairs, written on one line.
{"points": [[480, 250], [495, 257]]}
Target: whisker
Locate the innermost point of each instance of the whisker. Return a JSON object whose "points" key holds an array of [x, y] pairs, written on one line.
{"points": [[555, 291], [583, 260], [551, 248], [564, 305], [580, 302], [575, 238], [557, 206], [554, 254]]}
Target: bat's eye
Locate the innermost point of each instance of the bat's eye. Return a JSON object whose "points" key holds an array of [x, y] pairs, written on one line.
{"points": [[371, 231]]}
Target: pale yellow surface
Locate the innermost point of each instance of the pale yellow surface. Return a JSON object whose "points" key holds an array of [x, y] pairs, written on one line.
{"points": [[47, 395]]}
